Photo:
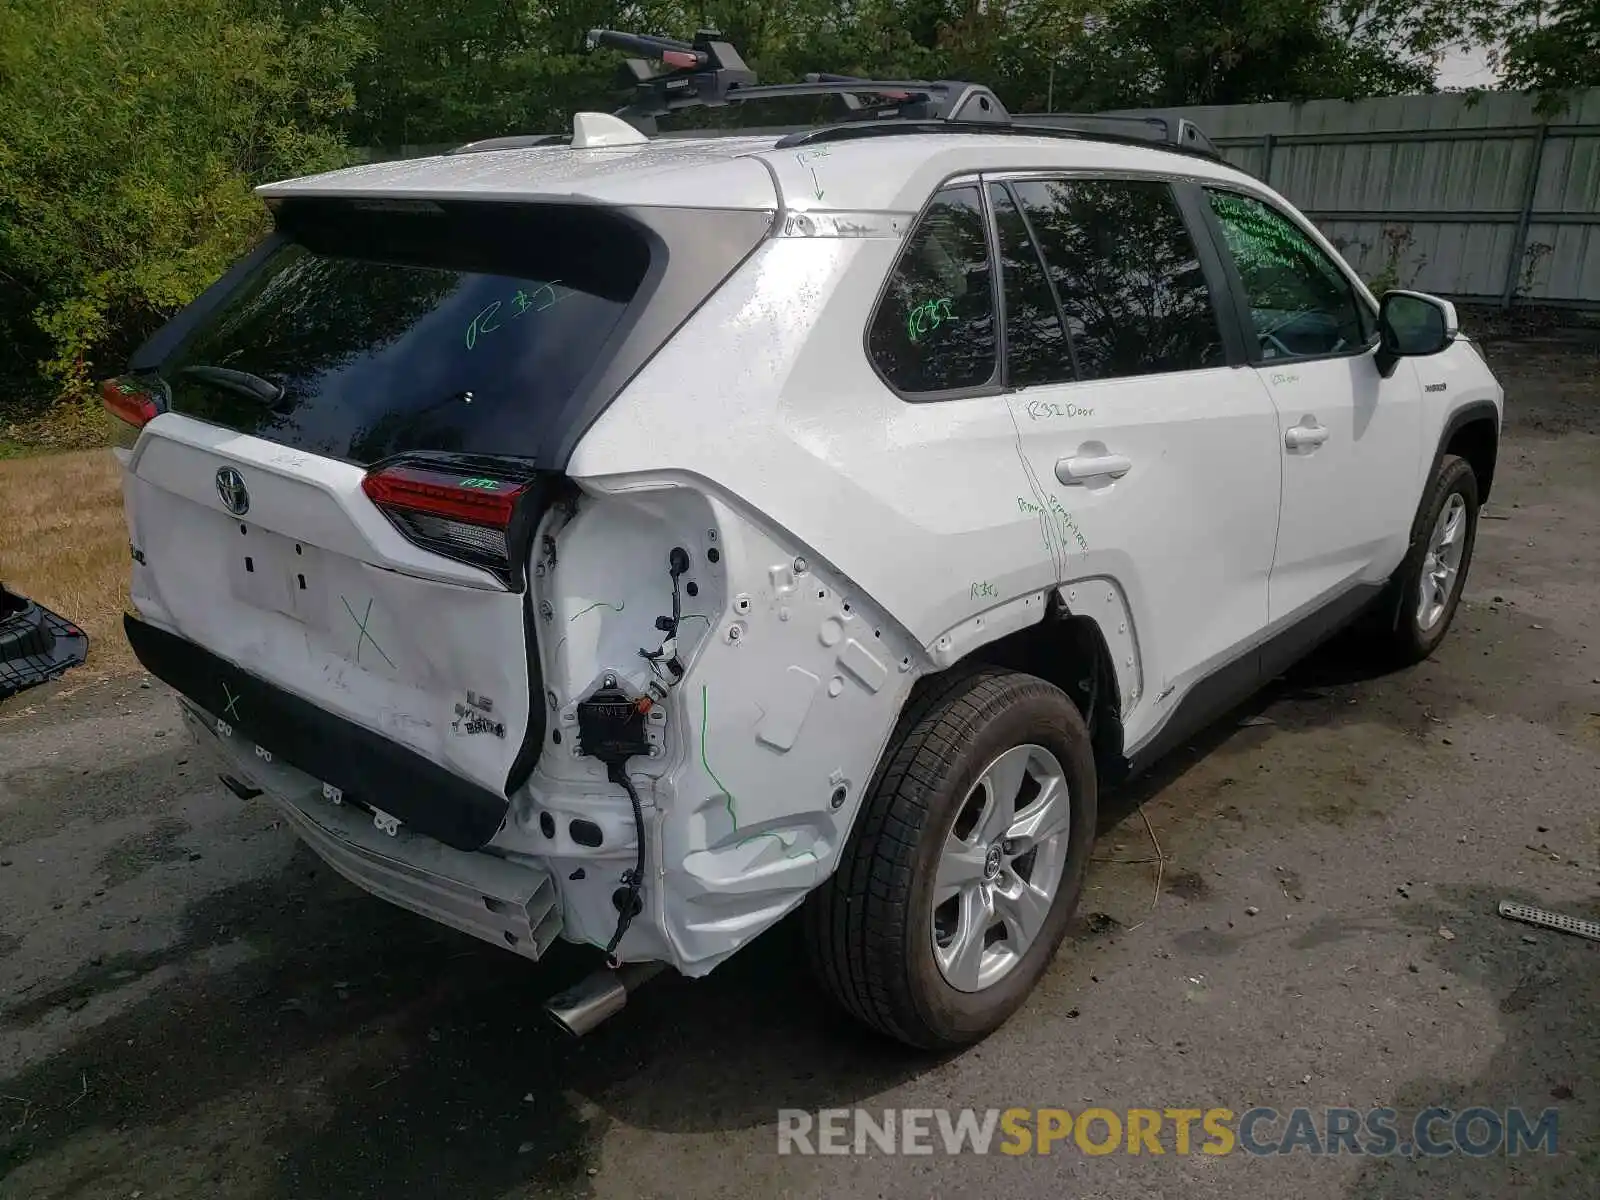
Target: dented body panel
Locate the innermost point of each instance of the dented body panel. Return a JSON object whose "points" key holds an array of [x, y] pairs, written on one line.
{"points": [[314, 591], [792, 680]]}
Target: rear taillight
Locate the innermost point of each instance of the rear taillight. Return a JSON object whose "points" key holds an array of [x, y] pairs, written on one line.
{"points": [[128, 400], [465, 517]]}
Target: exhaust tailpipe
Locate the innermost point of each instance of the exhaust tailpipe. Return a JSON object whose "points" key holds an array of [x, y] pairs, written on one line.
{"points": [[585, 1004]]}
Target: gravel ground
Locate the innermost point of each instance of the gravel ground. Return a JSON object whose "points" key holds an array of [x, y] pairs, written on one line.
{"points": [[192, 1006]]}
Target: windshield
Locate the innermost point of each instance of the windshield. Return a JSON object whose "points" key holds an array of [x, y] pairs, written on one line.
{"points": [[391, 326]]}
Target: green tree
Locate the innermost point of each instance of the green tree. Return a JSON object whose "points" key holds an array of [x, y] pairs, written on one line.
{"points": [[487, 67], [1143, 52], [1551, 47], [131, 133], [477, 68]]}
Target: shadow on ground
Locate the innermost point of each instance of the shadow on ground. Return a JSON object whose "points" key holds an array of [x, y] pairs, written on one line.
{"points": [[1548, 986], [393, 1058], [1347, 682], [371, 1053], [1323, 690]]}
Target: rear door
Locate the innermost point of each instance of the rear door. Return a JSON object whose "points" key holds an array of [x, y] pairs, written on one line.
{"points": [[1349, 435], [1096, 433], [332, 510], [1153, 459]]}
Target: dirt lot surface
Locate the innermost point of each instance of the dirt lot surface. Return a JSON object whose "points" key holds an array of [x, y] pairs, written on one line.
{"points": [[63, 543], [191, 1006]]}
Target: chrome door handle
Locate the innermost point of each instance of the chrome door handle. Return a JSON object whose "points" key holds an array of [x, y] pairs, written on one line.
{"points": [[1083, 467], [1300, 437]]}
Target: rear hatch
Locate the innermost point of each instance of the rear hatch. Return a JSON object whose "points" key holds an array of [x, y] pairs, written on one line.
{"points": [[343, 459]]}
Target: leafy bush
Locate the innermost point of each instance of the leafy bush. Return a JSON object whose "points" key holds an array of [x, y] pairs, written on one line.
{"points": [[131, 131], [131, 134]]}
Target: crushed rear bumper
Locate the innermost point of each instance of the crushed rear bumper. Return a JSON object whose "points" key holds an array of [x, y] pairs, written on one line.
{"points": [[513, 905], [35, 645], [330, 749]]}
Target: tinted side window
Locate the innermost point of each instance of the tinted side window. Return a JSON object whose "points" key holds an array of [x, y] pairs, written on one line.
{"points": [[934, 327], [1300, 303], [1126, 270], [1036, 346]]}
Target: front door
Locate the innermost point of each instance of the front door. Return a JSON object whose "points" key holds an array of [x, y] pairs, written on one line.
{"points": [[1349, 436]]}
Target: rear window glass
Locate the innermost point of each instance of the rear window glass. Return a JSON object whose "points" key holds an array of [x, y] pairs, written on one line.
{"points": [[413, 325]]}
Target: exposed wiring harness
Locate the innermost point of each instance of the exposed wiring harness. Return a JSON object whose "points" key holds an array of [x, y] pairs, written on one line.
{"points": [[611, 727], [663, 660], [632, 881]]}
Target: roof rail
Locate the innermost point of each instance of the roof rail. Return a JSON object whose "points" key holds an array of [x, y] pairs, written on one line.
{"points": [[710, 73], [515, 141], [1196, 143], [1179, 132]]}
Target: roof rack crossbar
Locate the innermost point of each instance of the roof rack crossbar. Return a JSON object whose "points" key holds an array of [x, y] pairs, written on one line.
{"points": [[709, 73], [902, 89], [851, 101]]}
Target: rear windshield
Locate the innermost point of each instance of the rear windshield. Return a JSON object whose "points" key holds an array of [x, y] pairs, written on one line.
{"points": [[390, 326]]}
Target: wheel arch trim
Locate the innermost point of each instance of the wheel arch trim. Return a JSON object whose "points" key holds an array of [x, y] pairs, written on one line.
{"points": [[1467, 414], [1097, 599]]}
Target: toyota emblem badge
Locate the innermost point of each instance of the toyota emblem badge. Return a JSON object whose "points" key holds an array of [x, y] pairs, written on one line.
{"points": [[230, 486]]}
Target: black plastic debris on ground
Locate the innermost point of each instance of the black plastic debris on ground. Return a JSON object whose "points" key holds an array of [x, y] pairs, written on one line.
{"points": [[36, 646]]}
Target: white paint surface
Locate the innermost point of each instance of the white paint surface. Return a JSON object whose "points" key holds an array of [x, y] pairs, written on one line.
{"points": [[842, 541]]}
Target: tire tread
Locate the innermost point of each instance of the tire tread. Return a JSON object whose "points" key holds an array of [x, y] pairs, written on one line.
{"points": [[853, 918], [1403, 644]]}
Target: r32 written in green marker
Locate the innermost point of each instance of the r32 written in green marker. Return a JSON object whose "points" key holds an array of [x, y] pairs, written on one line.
{"points": [[1040, 410], [926, 317], [491, 318]]}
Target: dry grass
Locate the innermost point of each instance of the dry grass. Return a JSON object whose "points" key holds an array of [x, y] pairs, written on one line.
{"points": [[63, 543]]}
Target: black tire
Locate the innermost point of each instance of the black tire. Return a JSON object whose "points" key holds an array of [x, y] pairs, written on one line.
{"points": [[1405, 640], [870, 927]]}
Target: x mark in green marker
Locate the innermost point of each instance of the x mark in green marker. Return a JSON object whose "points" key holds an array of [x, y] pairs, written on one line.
{"points": [[364, 636]]}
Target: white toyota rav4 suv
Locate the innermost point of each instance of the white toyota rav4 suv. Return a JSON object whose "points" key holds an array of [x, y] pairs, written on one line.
{"points": [[630, 540]]}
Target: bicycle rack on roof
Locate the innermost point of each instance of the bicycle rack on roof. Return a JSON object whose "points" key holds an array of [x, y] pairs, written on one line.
{"points": [[710, 73]]}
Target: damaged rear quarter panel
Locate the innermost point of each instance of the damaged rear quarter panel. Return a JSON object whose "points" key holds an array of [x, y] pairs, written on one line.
{"points": [[792, 682]]}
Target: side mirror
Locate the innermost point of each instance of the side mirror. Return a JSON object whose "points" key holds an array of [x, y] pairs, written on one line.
{"points": [[1413, 325]]}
